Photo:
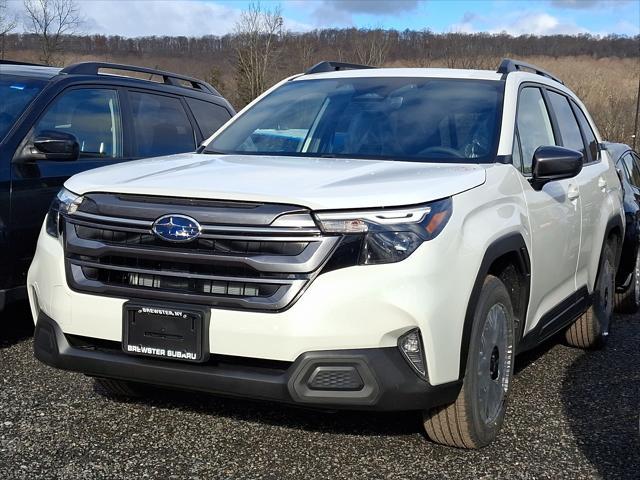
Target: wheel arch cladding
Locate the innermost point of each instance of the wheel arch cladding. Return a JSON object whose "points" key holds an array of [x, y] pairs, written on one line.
{"points": [[613, 232], [508, 259]]}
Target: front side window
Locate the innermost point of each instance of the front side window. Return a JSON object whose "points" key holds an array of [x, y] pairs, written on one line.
{"points": [[411, 119], [92, 115], [567, 123], [161, 125], [534, 124], [15, 93]]}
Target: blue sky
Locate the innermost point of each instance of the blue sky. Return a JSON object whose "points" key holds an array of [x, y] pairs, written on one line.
{"points": [[200, 17]]}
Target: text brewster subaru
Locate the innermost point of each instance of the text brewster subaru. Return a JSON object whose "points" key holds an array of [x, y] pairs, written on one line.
{"points": [[381, 239]]}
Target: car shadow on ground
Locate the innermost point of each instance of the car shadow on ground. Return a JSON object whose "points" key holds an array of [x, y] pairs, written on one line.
{"points": [[349, 422], [276, 414], [601, 399], [16, 324]]}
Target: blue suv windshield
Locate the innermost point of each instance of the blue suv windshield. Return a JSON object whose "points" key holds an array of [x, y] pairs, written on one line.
{"points": [[415, 119], [16, 93]]}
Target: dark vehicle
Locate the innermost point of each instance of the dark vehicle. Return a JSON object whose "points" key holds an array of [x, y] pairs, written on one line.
{"points": [[628, 278], [56, 122]]}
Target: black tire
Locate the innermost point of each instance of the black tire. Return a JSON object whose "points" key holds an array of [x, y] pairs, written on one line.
{"points": [[120, 388], [463, 424], [591, 329], [629, 300]]}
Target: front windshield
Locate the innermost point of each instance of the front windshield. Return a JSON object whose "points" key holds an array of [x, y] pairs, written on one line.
{"points": [[16, 93], [415, 119]]}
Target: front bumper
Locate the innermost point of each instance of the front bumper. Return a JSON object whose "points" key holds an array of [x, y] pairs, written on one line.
{"points": [[385, 380]]}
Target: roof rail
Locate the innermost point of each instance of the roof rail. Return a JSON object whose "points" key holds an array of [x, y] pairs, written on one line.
{"points": [[26, 64], [334, 67], [508, 65], [93, 68]]}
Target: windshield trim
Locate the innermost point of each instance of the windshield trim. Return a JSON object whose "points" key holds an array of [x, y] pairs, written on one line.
{"points": [[491, 157]]}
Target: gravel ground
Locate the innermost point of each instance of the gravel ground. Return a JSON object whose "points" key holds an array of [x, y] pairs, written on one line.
{"points": [[572, 415]]}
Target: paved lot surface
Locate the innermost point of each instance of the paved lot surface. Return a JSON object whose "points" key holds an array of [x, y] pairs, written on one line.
{"points": [[572, 415]]}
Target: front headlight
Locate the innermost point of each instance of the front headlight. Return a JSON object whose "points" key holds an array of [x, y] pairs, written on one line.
{"points": [[389, 235], [66, 202]]}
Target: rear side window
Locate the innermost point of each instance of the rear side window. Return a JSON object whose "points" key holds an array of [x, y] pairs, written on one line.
{"points": [[161, 125], [594, 151], [92, 115], [567, 123], [534, 125], [210, 117]]}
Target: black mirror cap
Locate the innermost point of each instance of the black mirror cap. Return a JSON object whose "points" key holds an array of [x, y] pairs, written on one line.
{"points": [[55, 145], [551, 163]]}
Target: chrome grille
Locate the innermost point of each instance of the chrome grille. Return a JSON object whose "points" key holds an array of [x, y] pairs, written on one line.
{"points": [[244, 263]]}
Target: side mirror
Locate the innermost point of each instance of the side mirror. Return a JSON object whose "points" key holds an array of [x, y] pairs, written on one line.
{"points": [[51, 145], [554, 163]]}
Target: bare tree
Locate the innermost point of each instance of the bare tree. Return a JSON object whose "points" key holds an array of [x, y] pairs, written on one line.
{"points": [[372, 46], [257, 32], [7, 24], [51, 21]]}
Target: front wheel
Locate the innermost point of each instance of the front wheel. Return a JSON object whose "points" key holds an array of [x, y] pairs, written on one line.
{"points": [[591, 329], [476, 416]]}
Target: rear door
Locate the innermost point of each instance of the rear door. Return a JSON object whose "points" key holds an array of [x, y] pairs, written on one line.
{"points": [[93, 114], [554, 213], [596, 207]]}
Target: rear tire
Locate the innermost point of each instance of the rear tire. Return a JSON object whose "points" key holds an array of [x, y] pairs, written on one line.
{"points": [[629, 300], [476, 416], [591, 329], [120, 388]]}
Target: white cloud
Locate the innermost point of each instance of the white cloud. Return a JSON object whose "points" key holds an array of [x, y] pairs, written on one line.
{"points": [[517, 23], [138, 18]]}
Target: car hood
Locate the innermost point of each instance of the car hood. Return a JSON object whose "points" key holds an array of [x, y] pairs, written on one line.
{"points": [[316, 183]]}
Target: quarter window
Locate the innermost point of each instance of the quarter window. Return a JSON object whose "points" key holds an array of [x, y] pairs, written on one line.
{"points": [[533, 124], [161, 125], [210, 117], [567, 123], [92, 116]]}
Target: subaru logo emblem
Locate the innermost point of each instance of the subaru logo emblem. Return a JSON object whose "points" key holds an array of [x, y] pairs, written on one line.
{"points": [[176, 228]]}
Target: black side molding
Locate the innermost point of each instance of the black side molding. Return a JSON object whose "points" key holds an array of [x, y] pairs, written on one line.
{"points": [[556, 319]]}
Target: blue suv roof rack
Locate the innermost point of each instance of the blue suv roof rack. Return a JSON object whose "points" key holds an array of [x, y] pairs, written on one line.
{"points": [[169, 78], [328, 66], [508, 65]]}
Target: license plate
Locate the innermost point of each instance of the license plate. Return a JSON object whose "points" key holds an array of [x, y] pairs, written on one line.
{"points": [[169, 332]]}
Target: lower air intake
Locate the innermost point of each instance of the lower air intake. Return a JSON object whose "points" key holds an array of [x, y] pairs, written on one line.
{"points": [[335, 378]]}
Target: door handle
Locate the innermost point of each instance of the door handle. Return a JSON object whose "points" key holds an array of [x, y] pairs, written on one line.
{"points": [[602, 183], [573, 192]]}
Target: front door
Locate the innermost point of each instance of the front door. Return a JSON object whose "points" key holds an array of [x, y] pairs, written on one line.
{"points": [[93, 116], [554, 214]]}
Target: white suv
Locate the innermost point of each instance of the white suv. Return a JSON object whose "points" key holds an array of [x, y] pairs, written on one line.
{"points": [[357, 238]]}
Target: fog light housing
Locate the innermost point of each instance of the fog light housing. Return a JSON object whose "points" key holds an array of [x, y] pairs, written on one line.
{"points": [[410, 345]]}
